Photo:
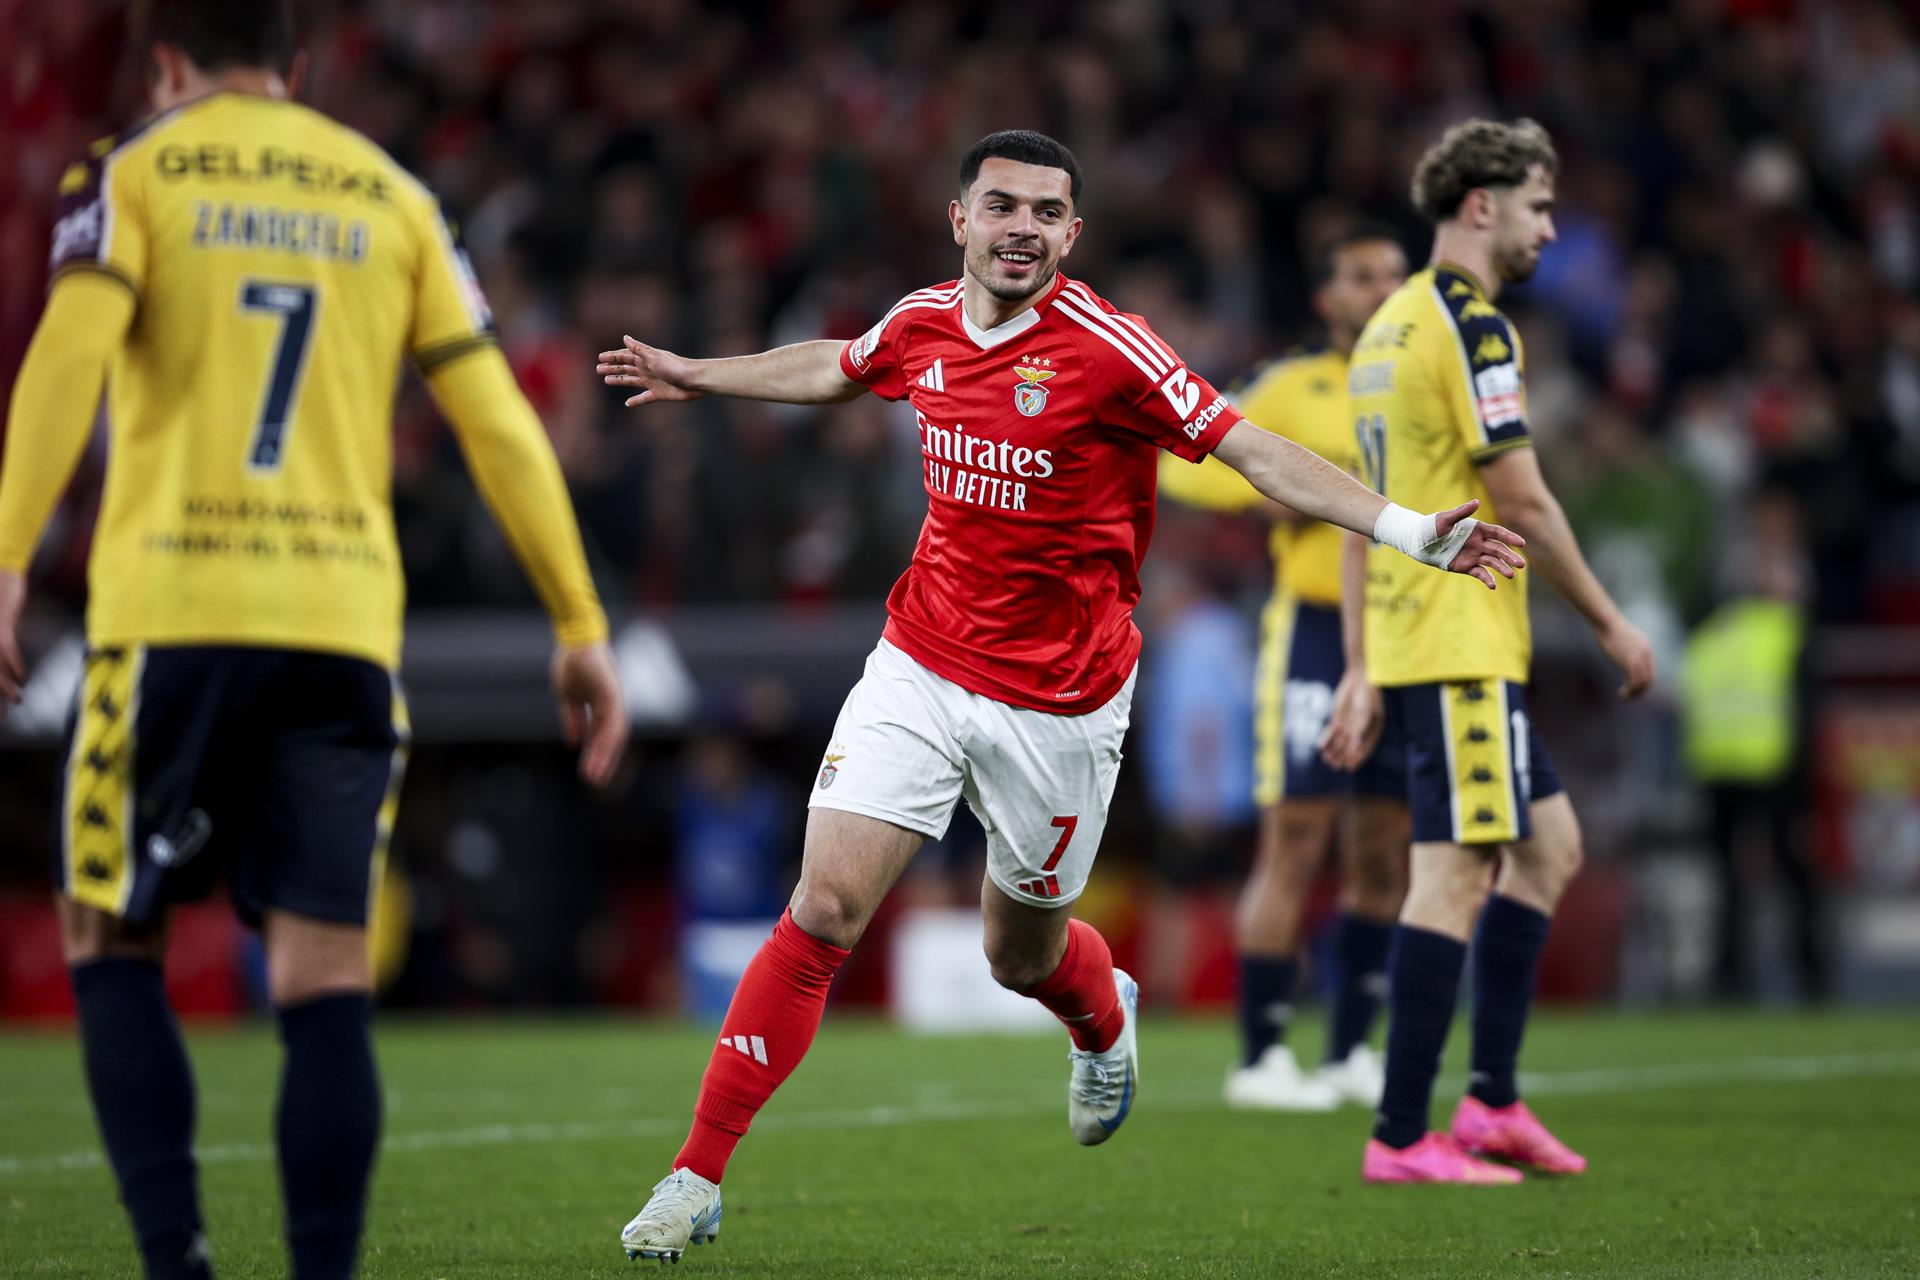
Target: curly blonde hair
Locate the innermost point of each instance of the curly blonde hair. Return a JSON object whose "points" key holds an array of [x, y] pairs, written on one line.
{"points": [[1478, 153]]}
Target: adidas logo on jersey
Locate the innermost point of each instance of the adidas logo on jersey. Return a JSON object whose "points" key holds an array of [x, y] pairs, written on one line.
{"points": [[752, 1046], [934, 379]]}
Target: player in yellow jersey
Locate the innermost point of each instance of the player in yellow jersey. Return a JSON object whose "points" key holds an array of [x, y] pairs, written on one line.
{"points": [[1440, 407], [245, 277], [1302, 800]]}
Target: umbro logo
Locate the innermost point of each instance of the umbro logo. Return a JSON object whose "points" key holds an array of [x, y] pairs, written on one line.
{"points": [[934, 379], [752, 1046]]}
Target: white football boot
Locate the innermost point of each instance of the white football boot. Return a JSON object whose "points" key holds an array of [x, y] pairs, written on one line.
{"points": [[1358, 1078], [1100, 1090], [1275, 1082], [685, 1207]]}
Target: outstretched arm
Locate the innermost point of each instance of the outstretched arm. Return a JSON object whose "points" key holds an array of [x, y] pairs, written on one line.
{"points": [[1300, 479], [802, 373], [1521, 493]]}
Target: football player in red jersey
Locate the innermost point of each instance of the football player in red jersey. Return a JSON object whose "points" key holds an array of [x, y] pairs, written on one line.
{"points": [[1005, 673]]}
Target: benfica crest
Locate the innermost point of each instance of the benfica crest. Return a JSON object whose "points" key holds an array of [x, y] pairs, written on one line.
{"points": [[830, 770], [1030, 397]]}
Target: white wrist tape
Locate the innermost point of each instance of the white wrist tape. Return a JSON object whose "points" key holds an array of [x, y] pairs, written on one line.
{"points": [[1413, 534]]}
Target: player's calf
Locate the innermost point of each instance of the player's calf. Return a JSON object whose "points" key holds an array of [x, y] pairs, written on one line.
{"points": [[769, 1027], [143, 1097]]}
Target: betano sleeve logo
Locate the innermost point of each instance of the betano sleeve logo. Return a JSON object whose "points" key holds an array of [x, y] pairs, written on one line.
{"points": [[861, 352]]}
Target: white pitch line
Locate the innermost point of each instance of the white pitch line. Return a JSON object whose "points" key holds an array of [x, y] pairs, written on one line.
{"points": [[1745, 1070], [1851, 1066]]}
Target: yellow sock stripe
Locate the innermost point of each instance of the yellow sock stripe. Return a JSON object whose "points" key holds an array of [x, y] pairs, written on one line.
{"points": [[1270, 692]]}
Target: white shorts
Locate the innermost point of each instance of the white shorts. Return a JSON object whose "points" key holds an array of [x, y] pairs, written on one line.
{"points": [[908, 744]]}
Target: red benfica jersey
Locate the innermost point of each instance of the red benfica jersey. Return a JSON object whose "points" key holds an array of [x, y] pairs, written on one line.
{"points": [[1039, 440]]}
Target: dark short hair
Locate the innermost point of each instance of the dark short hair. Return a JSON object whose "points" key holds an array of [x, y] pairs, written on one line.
{"points": [[1360, 233], [1475, 154], [1025, 146], [217, 34]]}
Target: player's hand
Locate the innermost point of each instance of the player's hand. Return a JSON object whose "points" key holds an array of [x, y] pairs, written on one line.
{"points": [[593, 712], [1353, 730], [1489, 549], [1631, 651], [13, 667], [660, 375]]}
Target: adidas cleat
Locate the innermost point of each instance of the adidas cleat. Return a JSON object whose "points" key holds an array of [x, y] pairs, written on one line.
{"points": [[1101, 1088], [685, 1209]]}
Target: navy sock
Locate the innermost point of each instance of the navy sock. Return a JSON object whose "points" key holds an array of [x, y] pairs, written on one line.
{"points": [[1267, 985], [1423, 969], [1506, 960], [142, 1087], [1360, 949], [327, 1126]]}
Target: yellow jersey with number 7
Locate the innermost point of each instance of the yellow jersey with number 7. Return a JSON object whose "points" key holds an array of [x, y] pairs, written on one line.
{"points": [[1436, 385], [282, 266]]}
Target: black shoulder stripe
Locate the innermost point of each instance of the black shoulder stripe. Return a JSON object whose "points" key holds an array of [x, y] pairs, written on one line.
{"points": [[444, 353], [1504, 443], [106, 269]]}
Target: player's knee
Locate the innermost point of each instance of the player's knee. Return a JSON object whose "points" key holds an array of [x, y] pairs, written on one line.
{"points": [[1447, 889], [1563, 863], [1375, 887], [1019, 971], [307, 959], [831, 915], [1546, 872], [88, 934]]}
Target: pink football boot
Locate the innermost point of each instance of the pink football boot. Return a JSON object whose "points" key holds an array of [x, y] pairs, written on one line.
{"points": [[1512, 1133], [1435, 1158]]}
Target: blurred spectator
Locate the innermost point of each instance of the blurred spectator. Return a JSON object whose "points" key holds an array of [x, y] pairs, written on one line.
{"points": [[736, 833], [1732, 296], [1747, 721], [1739, 228], [1196, 712], [1645, 521]]}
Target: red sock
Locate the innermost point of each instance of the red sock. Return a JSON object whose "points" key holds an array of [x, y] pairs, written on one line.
{"points": [[775, 1011], [1081, 992]]}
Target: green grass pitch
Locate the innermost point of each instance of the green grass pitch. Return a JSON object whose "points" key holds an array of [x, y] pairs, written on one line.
{"points": [[1722, 1145]]}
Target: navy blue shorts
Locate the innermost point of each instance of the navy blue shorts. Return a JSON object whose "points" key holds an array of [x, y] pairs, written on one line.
{"points": [[1301, 662], [279, 769], [1474, 761]]}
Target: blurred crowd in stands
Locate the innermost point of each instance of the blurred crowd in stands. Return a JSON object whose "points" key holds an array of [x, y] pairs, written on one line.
{"points": [[1726, 332], [1732, 296]]}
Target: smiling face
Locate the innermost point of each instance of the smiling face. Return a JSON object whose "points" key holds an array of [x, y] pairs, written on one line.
{"points": [[1016, 222], [1522, 226]]}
